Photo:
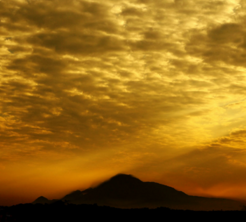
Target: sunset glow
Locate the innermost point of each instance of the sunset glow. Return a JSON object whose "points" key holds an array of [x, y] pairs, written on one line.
{"points": [[151, 88]]}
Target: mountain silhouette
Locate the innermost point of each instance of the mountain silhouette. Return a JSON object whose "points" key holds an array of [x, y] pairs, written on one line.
{"points": [[41, 200], [127, 191]]}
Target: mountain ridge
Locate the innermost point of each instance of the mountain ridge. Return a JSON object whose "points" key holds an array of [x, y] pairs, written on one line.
{"points": [[127, 191]]}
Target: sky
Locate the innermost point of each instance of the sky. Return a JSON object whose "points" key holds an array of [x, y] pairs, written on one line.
{"points": [[90, 89]]}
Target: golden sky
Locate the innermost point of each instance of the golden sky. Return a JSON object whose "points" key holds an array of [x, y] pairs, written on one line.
{"points": [[89, 89]]}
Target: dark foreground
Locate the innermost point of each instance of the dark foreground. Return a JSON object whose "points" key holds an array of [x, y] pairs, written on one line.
{"points": [[70, 212]]}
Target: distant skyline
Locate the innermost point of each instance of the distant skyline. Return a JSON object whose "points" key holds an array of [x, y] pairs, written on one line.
{"points": [[151, 88]]}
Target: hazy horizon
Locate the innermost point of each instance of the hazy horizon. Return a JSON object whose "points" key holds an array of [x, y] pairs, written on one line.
{"points": [[151, 88], [95, 185]]}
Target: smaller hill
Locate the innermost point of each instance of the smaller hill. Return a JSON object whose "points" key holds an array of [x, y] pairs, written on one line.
{"points": [[41, 200]]}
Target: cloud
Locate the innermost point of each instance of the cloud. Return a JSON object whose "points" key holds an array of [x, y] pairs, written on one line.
{"points": [[111, 67]]}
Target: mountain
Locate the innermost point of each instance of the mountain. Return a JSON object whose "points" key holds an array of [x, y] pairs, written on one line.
{"points": [[44, 200], [41, 200], [126, 191]]}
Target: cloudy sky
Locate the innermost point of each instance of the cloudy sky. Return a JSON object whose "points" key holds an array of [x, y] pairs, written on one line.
{"points": [[89, 89]]}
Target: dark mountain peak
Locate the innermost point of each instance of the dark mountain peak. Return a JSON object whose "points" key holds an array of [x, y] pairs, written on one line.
{"points": [[120, 181], [124, 178], [41, 200]]}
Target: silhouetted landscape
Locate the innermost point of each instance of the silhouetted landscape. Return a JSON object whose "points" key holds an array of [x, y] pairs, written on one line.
{"points": [[121, 195], [126, 191]]}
